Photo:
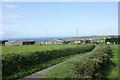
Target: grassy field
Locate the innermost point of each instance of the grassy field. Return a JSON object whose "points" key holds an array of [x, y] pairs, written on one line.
{"points": [[114, 70], [38, 67], [89, 37], [32, 48], [34, 58], [86, 67], [111, 70]]}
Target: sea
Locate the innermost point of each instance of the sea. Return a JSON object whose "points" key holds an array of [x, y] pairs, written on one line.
{"points": [[36, 39]]}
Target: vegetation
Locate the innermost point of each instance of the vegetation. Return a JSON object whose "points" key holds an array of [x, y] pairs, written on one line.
{"points": [[14, 63], [87, 38], [113, 40], [111, 69], [89, 65], [31, 48], [38, 67]]}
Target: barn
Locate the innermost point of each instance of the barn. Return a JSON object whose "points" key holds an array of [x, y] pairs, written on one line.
{"points": [[20, 42], [2, 42]]}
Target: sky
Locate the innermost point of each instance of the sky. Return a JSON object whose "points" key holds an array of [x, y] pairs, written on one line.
{"points": [[58, 19], [60, 0]]}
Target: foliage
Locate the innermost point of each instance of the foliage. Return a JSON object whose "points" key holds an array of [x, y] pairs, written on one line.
{"points": [[113, 40], [87, 38], [13, 63], [88, 65], [31, 48], [111, 70]]}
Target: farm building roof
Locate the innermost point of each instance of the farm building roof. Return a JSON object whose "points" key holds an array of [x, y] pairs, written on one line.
{"points": [[24, 41]]}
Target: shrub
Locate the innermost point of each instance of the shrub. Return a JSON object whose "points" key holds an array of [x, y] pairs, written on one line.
{"points": [[13, 63], [90, 65]]}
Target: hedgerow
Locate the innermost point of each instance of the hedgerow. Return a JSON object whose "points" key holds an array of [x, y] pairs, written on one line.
{"points": [[13, 63], [90, 65]]}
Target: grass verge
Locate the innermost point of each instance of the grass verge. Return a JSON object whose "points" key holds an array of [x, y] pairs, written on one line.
{"points": [[111, 69], [89, 65]]}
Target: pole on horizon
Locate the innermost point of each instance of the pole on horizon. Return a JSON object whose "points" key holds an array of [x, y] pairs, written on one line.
{"points": [[76, 32], [76, 36]]}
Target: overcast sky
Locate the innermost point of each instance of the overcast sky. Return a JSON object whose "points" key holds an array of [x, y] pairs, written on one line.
{"points": [[60, 19]]}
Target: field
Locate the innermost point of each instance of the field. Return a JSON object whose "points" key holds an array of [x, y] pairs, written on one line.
{"points": [[19, 61], [71, 70], [32, 48], [87, 66], [40, 57], [114, 71], [111, 70], [87, 38]]}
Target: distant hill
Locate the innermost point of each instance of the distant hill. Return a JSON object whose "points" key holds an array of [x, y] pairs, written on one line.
{"points": [[90, 37]]}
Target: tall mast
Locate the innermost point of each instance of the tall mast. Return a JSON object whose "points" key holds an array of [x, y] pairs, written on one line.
{"points": [[76, 32], [77, 35]]}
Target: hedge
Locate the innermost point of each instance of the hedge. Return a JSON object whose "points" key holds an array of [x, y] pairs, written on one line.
{"points": [[90, 65], [13, 63]]}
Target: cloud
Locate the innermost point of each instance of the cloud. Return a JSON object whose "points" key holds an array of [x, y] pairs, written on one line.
{"points": [[8, 31], [8, 27], [10, 6], [1, 16], [2, 33], [11, 16], [14, 16], [6, 0]]}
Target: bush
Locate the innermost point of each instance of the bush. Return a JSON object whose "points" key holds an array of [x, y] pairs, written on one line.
{"points": [[90, 65], [13, 63]]}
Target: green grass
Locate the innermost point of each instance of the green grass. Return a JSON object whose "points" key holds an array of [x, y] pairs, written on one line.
{"points": [[62, 71], [32, 48], [68, 70], [33, 68], [38, 67], [114, 70], [89, 37], [111, 70]]}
